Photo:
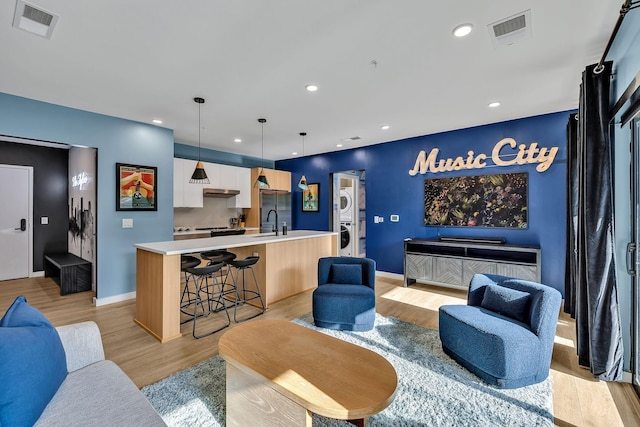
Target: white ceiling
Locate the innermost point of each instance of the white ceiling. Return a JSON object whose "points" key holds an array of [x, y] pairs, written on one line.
{"points": [[147, 59]]}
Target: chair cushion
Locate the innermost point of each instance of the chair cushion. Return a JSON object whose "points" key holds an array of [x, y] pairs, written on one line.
{"points": [[500, 350], [506, 301], [344, 307], [32, 361], [346, 274]]}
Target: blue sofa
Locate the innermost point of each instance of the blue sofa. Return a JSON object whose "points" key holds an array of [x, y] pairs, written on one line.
{"points": [[345, 298], [506, 331]]}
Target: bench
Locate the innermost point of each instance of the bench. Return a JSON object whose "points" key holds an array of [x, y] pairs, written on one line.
{"points": [[70, 272]]}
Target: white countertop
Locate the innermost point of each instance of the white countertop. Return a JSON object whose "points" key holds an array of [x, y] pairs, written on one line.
{"points": [[175, 247]]}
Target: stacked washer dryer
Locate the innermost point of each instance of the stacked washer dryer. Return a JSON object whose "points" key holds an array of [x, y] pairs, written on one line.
{"points": [[348, 219]]}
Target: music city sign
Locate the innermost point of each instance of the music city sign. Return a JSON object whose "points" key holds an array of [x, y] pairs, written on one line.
{"points": [[506, 152]]}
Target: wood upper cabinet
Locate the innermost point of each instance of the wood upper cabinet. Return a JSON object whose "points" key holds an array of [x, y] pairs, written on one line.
{"points": [[278, 180]]}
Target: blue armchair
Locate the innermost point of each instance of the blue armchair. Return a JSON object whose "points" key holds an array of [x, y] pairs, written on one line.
{"points": [[505, 333], [345, 298]]}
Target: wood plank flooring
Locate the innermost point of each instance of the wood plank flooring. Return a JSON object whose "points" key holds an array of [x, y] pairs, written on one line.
{"points": [[579, 400]]}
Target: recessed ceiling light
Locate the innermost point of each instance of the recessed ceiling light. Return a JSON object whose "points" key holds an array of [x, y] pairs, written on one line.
{"points": [[294, 153], [462, 30], [384, 127], [311, 87], [237, 140], [338, 145], [494, 104], [157, 121]]}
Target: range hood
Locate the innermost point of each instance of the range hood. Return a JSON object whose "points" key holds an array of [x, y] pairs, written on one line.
{"points": [[219, 192]]}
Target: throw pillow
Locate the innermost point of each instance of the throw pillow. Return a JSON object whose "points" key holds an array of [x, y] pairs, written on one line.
{"points": [[32, 362], [506, 301], [348, 274]]}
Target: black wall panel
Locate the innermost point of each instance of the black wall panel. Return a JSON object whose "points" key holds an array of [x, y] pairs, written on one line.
{"points": [[50, 194]]}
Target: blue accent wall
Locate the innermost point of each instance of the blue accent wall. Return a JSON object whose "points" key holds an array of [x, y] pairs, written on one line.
{"points": [[117, 140], [183, 151], [391, 190]]}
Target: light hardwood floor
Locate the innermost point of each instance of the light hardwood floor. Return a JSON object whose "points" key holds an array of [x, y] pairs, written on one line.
{"points": [[579, 400]]}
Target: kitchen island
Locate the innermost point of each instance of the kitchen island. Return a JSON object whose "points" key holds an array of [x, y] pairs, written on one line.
{"points": [[288, 265]]}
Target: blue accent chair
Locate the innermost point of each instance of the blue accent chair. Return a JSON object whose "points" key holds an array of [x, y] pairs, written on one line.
{"points": [[505, 333], [345, 298]]}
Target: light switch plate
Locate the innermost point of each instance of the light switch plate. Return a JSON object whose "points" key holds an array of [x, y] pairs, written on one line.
{"points": [[127, 222], [44, 220]]}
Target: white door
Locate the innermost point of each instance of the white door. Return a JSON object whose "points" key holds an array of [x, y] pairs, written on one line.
{"points": [[15, 221]]}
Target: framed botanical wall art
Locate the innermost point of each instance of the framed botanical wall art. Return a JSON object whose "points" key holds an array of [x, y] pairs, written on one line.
{"points": [[310, 198], [498, 200], [136, 187]]}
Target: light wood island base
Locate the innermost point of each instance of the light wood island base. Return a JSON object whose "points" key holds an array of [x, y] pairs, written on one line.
{"points": [[279, 373], [288, 265]]}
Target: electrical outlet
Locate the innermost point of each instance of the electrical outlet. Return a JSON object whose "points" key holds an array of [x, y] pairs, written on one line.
{"points": [[394, 218], [127, 222]]}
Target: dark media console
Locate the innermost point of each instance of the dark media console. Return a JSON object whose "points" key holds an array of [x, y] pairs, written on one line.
{"points": [[452, 261]]}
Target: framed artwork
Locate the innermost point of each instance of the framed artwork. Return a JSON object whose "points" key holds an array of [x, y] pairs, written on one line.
{"points": [[310, 198], [136, 188], [477, 201]]}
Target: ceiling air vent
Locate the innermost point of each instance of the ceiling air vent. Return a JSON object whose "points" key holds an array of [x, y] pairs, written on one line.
{"points": [[511, 30], [353, 138], [34, 19]]}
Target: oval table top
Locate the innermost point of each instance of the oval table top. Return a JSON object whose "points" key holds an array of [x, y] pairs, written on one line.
{"points": [[325, 375]]}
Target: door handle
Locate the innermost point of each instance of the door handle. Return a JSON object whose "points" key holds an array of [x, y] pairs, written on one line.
{"points": [[23, 225], [631, 264]]}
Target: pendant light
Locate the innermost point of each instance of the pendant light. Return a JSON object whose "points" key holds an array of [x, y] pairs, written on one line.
{"points": [[302, 184], [199, 175], [262, 182]]}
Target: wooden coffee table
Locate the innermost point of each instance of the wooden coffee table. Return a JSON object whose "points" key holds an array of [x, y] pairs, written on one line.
{"points": [[279, 373]]}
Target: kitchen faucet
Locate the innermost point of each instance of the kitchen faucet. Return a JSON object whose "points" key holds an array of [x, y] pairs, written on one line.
{"points": [[275, 226]]}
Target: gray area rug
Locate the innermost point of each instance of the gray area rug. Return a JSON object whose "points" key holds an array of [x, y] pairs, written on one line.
{"points": [[433, 390]]}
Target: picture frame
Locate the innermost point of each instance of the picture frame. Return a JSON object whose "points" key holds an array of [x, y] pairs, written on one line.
{"points": [[136, 187], [311, 198], [497, 200]]}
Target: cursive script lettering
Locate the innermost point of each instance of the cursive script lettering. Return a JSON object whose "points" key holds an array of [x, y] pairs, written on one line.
{"points": [[502, 155]]}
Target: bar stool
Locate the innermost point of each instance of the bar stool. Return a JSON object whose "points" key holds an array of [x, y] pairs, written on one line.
{"points": [[219, 255], [188, 297], [247, 295], [206, 282]]}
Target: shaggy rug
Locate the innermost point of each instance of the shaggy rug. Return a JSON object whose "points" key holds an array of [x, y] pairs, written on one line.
{"points": [[433, 390]]}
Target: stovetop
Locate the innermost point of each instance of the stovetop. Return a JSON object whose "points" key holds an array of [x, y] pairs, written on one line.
{"points": [[212, 228]]}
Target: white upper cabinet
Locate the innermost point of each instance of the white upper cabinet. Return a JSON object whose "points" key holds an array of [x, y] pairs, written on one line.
{"points": [[189, 195], [227, 179], [243, 183]]}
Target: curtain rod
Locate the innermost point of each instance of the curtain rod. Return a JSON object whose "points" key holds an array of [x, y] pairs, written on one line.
{"points": [[626, 7]]}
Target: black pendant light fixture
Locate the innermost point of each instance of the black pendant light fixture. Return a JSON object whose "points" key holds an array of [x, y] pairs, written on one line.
{"points": [[302, 184], [261, 181], [199, 175]]}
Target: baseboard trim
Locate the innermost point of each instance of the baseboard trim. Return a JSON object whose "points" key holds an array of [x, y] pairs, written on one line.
{"points": [[390, 275], [98, 302], [37, 274], [627, 377]]}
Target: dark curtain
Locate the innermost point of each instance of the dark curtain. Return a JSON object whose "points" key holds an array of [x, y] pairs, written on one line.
{"points": [[572, 216], [591, 268]]}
